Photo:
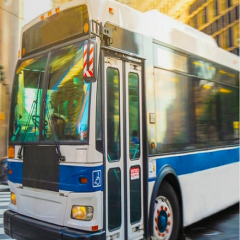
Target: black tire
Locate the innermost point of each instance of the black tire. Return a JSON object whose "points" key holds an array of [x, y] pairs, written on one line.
{"points": [[167, 191]]}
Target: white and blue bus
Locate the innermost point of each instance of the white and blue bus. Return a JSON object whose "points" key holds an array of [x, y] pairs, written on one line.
{"points": [[123, 125]]}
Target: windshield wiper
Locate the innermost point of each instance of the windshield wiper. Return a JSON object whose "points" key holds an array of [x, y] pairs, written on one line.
{"points": [[38, 87], [34, 103], [19, 155], [49, 116]]}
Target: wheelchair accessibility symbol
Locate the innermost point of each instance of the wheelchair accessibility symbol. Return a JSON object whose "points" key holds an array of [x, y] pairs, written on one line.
{"points": [[97, 178]]}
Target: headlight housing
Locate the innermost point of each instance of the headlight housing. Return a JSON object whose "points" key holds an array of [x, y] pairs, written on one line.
{"points": [[84, 213], [13, 199]]}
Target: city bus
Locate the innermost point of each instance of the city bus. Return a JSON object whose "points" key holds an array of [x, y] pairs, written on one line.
{"points": [[123, 125]]}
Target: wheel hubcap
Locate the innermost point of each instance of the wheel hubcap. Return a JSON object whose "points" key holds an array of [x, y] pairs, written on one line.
{"points": [[163, 218], [162, 221]]}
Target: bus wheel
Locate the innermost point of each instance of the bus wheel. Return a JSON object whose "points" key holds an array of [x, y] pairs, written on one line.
{"points": [[166, 222]]}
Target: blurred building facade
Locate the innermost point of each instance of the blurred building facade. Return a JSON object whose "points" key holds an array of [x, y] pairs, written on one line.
{"points": [[218, 18], [13, 15]]}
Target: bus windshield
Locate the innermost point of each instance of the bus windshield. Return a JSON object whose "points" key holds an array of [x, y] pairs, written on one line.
{"points": [[26, 100], [65, 101]]}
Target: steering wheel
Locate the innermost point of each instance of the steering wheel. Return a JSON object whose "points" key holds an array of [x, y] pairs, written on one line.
{"points": [[36, 120]]}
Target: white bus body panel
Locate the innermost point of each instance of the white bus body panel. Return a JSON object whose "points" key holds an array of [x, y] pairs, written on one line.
{"points": [[39, 204], [55, 208], [207, 192]]}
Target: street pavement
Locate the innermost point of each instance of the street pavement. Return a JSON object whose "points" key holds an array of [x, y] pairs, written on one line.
{"points": [[4, 201], [221, 226]]}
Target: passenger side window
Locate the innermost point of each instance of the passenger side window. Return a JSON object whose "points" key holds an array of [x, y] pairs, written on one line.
{"points": [[215, 122], [205, 112], [172, 111]]}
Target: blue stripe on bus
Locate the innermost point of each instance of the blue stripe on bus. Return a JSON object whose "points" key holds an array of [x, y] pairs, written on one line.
{"points": [[17, 172], [183, 164], [68, 177], [200, 161]]}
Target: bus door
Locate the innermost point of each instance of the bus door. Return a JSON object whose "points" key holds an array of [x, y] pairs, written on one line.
{"points": [[123, 161]]}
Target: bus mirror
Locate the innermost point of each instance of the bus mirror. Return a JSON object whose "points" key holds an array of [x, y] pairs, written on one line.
{"points": [[90, 61]]}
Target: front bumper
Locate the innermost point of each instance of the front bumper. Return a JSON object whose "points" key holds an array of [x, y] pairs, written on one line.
{"points": [[24, 228]]}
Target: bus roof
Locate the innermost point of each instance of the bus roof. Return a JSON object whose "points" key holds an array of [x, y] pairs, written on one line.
{"points": [[156, 25]]}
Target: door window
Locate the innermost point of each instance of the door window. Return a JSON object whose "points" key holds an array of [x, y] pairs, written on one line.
{"points": [[114, 199], [113, 114], [135, 194], [134, 127]]}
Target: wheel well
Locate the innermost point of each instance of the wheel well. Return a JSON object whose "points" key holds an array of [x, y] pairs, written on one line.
{"points": [[171, 179]]}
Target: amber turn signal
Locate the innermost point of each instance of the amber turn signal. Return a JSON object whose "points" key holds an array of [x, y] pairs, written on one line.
{"points": [[11, 152], [13, 199]]}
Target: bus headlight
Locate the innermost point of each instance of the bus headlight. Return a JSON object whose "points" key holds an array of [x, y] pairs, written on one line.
{"points": [[13, 199], [82, 213]]}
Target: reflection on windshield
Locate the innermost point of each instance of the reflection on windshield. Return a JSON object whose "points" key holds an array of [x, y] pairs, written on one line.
{"points": [[26, 99], [67, 100]]}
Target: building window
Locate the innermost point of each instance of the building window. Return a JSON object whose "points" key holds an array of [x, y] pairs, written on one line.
{"points": [[219, 24], [192, 22], [230, 37], [195, 21], [207, 30], [232, 16], [226, 19], [235, 34], [211, 11], [222, 5], [221, 39], [225, 39], [216, 7], [223, 23], [237, 12], [193, 8], [201, 18], [214, 27]]}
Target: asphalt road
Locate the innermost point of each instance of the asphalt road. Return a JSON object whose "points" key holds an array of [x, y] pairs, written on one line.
{"points": [[221, 226]]}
